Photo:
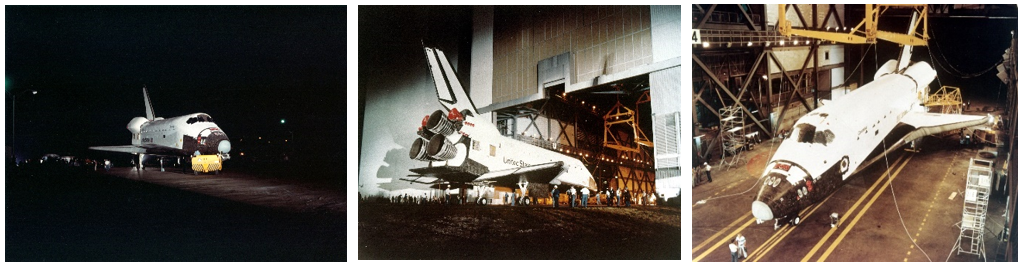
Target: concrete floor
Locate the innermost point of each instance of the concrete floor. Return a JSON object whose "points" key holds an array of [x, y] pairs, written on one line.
{"points": [[913, 218]]}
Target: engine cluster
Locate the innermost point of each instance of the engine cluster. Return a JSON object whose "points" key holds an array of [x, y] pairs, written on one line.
{"points": [[433, 143]]}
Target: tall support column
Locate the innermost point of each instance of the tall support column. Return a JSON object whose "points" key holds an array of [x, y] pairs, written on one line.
{"points": [[814, 48]]}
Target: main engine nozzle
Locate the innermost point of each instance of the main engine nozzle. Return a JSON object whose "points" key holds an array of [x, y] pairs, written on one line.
{"points": [[440, 148], [439, 123], [418, 151]]}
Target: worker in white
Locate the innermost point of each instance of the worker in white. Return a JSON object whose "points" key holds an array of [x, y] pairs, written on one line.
{"points": [[707, 169], [572, 196], [742, 244], [732, 250], [586, 196]]}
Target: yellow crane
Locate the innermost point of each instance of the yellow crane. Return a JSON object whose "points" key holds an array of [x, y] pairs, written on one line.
{"points": [[866, 32]]}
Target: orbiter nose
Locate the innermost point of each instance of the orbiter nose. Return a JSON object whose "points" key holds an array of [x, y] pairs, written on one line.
{"points": [[224, 146], [762, 211]]}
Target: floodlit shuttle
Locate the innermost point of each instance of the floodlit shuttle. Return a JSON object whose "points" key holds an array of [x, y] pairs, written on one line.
{"points": [[461, 149], [179, 137]]}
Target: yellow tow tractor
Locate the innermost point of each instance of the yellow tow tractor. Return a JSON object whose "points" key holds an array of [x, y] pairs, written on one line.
{"points": [[206, 164]]}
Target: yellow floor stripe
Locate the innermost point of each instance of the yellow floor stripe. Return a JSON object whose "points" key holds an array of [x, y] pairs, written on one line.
{"points": [[768, 244], [729, 237], [712, 238], [862, 211], [781, 235], [785, 232], [776, 238], [843, 219], [934, 197]]}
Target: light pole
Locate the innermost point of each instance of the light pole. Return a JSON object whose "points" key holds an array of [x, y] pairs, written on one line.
{"points": [[14, 121]]}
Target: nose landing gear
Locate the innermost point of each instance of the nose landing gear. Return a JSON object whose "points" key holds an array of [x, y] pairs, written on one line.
{"points": [[792, 220]]}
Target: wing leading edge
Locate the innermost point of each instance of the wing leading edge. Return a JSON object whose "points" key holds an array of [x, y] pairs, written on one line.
{"points": [[932, 123], [925, 124], [134, 149], [539, 173]]}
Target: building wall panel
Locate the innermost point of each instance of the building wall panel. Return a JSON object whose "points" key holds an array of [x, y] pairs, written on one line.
{"points": [[601, 39]]}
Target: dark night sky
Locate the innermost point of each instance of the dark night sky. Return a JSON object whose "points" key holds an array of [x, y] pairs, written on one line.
{"points": [[247, 66]]}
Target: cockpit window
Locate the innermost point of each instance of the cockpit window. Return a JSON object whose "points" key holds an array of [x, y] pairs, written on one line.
{"points": [[824, 137], [805, 133], [808, 133], [199, 118]]}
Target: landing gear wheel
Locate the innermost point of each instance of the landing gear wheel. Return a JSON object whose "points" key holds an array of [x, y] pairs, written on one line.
{"points": [[796, 221], [526, 201]]}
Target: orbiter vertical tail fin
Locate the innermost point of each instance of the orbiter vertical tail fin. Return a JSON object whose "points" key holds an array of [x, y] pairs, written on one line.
{"points": [[904, 59], [450, 92], [149, 106]]}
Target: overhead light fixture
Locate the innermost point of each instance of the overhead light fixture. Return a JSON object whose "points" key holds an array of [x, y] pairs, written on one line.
{"points": [[767, 44], [808, 42], [706, 44], [750, 44], [782, 42]]}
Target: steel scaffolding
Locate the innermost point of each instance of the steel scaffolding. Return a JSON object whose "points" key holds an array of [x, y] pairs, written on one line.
{"points": [[948, 100], [732, 133], [976, 196]]}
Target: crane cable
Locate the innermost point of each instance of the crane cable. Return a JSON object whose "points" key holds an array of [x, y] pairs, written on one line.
{"points": [[897, 205], [892, 190], [955, 70], [852, 72]]}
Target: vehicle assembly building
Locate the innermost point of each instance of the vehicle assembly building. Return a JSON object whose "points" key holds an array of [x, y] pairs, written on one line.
{"points": [[829, 132]]}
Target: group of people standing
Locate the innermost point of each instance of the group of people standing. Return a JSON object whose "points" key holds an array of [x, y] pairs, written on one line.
{"points": [[613, 197]]}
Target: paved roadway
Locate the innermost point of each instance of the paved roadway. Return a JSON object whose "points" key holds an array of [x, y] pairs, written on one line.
{"points": [[57, 213], [909, 216], [290, 193]]}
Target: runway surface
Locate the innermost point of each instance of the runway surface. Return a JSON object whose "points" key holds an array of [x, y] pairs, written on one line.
{"points": [[908, 216], [58, 213]]}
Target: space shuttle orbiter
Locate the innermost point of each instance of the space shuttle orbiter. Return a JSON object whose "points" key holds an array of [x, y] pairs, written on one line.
{"points": [[460, 148], [180, 137], [830, 143]]}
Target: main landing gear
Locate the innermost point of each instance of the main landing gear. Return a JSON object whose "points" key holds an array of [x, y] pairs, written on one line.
{"points": [[522, 189]]}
